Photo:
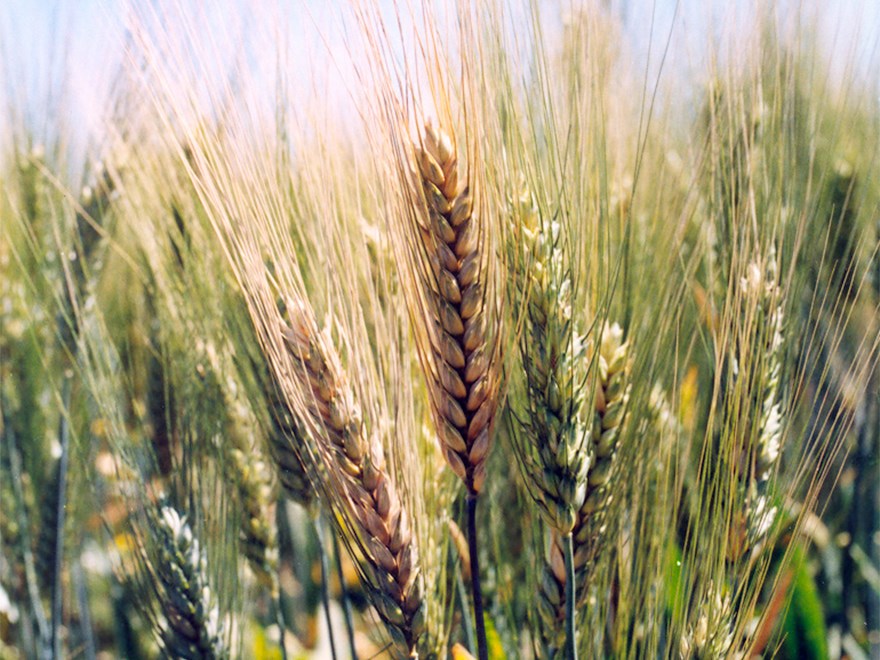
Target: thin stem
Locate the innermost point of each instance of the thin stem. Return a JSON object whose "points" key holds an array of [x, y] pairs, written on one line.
{"points": [[60, 512], [24, 539], [325, 587], [279, 615], [85, 618], [473, 548], [570, 640], [467, 622], [343, 595]]}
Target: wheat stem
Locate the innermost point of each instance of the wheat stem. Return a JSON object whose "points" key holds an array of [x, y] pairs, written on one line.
{"points": [[279, 618], [343, 597], [30, 570], [60, 513], [473, 549], [325, 584], [570, 630], [85, 617], [467, 622]]}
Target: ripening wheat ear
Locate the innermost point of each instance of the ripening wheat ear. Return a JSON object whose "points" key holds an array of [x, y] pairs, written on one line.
{"points": [[451, 266], [444, 242], [359, 483]]}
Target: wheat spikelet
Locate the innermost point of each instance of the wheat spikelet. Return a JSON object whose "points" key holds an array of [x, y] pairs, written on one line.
{"points": [[192, 626], [355, 462], [612, 393], [460, 361]]}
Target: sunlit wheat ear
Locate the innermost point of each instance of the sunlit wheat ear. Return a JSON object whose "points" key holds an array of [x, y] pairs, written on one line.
{"points": [[377, 525], [550, 437], [711, 636], [192, 627], [451, 265], [612, 393]]}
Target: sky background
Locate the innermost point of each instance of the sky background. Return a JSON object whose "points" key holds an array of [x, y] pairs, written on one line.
{"points": [[43, 42]]}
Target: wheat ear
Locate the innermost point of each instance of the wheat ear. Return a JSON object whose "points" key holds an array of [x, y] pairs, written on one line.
{"points": [[550, 436], [764, 286], [452, 314], [587, 534], [193, 628], [256, 533], [355, 462], [460, 364]]}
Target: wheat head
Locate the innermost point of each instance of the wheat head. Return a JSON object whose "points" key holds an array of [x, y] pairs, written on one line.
{"points": [[355, 461], [460, 361]]}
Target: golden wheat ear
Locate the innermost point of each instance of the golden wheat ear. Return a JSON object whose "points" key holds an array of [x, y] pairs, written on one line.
{"points": [[450, 265], [444, 244]]}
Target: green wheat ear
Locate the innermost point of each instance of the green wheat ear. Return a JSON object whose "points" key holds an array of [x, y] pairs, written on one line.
{"points": [[192, 627], [551, 436]]}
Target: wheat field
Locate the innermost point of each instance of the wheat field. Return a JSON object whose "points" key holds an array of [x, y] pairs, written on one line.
{"points": [[455, 329]]}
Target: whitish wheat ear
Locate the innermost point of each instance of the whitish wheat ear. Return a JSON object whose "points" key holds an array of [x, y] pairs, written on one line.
{"points": [[192, 627], [765, 287]]}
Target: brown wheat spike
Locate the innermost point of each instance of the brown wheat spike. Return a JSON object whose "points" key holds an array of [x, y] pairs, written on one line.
{"points": [[612, 393], [355, 461], [459, 359]]}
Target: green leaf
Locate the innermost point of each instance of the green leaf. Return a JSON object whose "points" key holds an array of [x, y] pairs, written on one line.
{"points": [[804, 624]]}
